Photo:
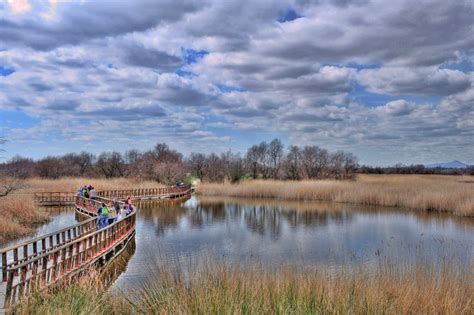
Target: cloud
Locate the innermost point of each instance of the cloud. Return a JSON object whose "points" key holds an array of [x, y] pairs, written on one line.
{"points": [[19, 6], [78, 22], [397, 108], [199, 73], [151, 58], [418, 81]]}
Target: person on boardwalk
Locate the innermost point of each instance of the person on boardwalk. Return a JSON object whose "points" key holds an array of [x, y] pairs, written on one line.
{"points": [[122, 213], [92, 193], [103, 217]]}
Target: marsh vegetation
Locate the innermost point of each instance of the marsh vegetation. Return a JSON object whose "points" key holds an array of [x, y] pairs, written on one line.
{"points": [[454, 194]]}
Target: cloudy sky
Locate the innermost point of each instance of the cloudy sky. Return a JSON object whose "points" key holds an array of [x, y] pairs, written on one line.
{"points": [[391, 81]]}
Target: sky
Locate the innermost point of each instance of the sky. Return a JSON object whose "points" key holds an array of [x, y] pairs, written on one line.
{"points": [[390, 81]]}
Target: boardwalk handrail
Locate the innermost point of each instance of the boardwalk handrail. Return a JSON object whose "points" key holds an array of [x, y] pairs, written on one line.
{"points": [[56, 264], [61, 236], [24, 251], [46, 259], [58, 196], [143, 192]]}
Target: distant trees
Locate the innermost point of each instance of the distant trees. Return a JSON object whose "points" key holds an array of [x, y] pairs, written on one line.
{"points": [[111, 164], [293, 163], [266, 160]]}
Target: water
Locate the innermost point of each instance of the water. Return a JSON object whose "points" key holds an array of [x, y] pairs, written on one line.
{"points": [[275, 233], [60, 217]]}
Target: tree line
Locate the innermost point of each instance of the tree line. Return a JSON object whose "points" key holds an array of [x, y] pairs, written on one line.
{"points": [[266, 160]]}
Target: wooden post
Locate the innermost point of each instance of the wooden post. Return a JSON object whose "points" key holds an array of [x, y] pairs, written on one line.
{"points": [[4, 266]]}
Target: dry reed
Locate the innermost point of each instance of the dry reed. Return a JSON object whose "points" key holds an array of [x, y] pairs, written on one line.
{"points": [[210, 287], [18, 214], [71, 184], [453, 194]]}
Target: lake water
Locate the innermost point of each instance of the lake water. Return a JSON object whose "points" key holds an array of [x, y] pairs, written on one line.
{"points": [[275, 233]]}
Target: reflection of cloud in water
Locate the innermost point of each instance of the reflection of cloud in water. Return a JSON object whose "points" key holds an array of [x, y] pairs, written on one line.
{"points": [[274, 232]]}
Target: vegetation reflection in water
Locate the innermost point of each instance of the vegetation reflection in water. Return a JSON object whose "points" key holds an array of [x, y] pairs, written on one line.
{"points": [[282, 233]]}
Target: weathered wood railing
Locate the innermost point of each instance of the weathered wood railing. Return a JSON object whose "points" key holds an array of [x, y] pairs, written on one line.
{"points": [[41, 262], [62, 198], [146, 192], [54, 198]]}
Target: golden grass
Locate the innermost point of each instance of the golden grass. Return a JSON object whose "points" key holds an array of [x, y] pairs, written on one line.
{"points": [[71, 184], [210, 287], [453, 194], [17, 216]]}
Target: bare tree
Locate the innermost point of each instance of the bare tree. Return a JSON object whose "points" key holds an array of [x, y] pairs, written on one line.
{"points": [[336, 164], [275, 155], [197, 163], [293, 163], [78, 164], [233, 166], [314, 160], [9, 185], [350, 164], [52, 167], [111, 164], [214, 168], [168, 166], [252, 160]]}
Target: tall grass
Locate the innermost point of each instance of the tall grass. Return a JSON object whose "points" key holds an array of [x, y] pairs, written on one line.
{"points": [[18, 214], [71, 184], [453, 194], [210, 287]]}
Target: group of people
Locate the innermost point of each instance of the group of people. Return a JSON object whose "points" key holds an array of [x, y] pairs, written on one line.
{"points": [[116, 212], [87, 192]]}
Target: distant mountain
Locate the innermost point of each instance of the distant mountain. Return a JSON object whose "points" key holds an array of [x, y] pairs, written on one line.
{"points": [[452, 164]]}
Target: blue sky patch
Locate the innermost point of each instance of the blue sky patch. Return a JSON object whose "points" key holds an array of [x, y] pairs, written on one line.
{"points": [[288, 15], [16, 119], [6, 71], [227, 88], [360, 94], [185, 74], [191, 56]]}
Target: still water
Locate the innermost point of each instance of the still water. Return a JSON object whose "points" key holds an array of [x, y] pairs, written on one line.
{"points": [[274, 233]]}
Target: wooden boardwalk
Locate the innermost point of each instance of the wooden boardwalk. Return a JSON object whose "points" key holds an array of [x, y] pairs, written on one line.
{"points": [[54, 198], [42, 262]]}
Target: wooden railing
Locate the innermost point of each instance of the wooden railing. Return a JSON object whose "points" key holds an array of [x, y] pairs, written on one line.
{"points": [[54, 198], [62, 198], [43, 261], [146, 192]]}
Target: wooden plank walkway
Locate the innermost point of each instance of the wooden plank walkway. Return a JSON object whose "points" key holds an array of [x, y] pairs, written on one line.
{"points": [[65, 254], [54, 198]]}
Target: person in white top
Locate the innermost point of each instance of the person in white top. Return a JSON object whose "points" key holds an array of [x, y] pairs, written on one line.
{"points": [[122, 213]]}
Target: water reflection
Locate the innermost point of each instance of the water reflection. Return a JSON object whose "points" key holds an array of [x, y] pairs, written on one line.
{"points": [[59, 217], [274, 232]]}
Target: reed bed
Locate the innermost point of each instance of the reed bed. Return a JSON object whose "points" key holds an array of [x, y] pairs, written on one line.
{"points": [[71, 184], [18, 214], [454, 194], [210, 287], [17, 217]]}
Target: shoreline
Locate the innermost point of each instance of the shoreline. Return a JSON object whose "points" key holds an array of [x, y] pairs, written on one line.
{"points": [[449, 194]]}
